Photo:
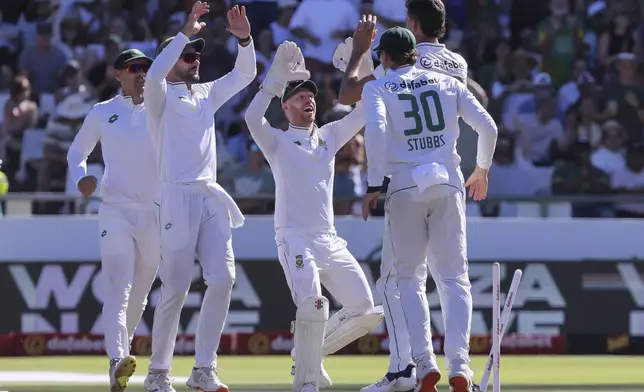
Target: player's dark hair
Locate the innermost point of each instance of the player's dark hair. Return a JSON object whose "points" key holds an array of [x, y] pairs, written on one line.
{"points": [[430, 14], [408, 58]]}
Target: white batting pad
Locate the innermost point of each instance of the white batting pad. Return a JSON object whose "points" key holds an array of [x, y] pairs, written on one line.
{"points": [[342, 330], [310, 322]]}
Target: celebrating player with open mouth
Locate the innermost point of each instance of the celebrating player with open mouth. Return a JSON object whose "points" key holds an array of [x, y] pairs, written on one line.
{"points": [[128, 215], [310, 252], [196, 213]]}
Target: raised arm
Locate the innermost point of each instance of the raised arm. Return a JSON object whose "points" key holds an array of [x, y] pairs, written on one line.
{"points": [[155, 80], [471, 111], [83, 145], [262, 132], [341, 131], [224, 88], [359, 70], [375, 137], [155, 83]]}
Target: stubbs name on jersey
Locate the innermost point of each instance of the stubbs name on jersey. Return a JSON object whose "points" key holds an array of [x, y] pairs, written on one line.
{"points": [[425, 110]]}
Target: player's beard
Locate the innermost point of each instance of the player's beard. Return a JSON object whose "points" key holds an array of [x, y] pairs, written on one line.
{"points": [[190, 76]]}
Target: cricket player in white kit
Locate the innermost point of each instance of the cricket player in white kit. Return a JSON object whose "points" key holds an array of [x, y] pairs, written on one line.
{"points": [[129, 214], [310, 251], [196, 213], [412, 127], [426, 20]]}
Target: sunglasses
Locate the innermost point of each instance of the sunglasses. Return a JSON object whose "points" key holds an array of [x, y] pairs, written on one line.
{"points": [[136, 68], [190, 58]]}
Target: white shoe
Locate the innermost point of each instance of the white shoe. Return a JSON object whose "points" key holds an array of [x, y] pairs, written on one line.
{"points": [[121, 369], [394, 382], [205, 379], [325, 379], [308, 387], [158, 382]]}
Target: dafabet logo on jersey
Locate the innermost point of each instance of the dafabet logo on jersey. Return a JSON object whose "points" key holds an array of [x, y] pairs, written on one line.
{"points": [[429, 63], [391, 86]]}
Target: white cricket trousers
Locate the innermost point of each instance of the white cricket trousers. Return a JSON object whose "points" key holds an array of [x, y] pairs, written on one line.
{"points": [[311, 260], [193, 222], [130, 256], [427, 233]]}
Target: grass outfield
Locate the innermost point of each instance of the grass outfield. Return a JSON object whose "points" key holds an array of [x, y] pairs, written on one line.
{"points": [[350, 373]]}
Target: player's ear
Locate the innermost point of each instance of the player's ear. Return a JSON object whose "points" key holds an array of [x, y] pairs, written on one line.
{"points": [[117, 74]]}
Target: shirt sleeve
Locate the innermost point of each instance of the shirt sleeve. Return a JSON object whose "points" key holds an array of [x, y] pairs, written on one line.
{"points": [[341, 131], [262, 132], [155, 83], [83, 145], [224, 88], [375, 137], [471, 111]]}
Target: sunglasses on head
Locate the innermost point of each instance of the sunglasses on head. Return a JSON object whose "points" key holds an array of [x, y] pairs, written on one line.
{"points": [[136, 68], [190, 58]]}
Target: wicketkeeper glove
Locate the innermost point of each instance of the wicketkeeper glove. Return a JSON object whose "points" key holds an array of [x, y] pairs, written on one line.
{"points": [[342, 55], [287, 65]]}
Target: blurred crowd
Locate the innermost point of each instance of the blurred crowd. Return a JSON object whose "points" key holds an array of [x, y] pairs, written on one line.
{"points": [[563, 78]]}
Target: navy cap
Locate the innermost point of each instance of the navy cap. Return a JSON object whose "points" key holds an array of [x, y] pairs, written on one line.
{"points": [[295, 85]]}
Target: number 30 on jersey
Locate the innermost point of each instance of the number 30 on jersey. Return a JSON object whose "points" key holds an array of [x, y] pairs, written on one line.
{"points": [[416, 141]]}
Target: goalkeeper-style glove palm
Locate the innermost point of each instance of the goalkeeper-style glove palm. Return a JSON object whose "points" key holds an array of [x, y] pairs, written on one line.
{"points": [[342, 55], [287, 65]]}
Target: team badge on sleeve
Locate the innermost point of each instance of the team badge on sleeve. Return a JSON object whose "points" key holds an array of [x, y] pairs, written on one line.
{"points": [[299, 261]]}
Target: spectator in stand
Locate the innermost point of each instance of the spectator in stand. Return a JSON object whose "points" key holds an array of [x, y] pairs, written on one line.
{"points": [[280, 27], [512, 93], [569, 93], [349, 180], [72, 81], [20, 114], [560, 41], [43, 62], [583, 120], [101, 75], [625, 97], [620, 36], [260, 13], [323, 24], [580, 177], [629, 180], [60, 133], [497, 61], [510, 177], [542, 132], [250, 179], [609, 157], [390, 13]]}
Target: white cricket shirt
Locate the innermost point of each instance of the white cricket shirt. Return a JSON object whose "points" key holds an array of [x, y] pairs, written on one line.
{"points": [[436, 57], [130, 169], [303, 165], [412, 119], [182, 121]]}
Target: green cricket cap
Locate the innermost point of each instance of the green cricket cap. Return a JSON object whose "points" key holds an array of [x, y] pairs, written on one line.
{"points": [[396, 40], [129, 55], [198, 44]]}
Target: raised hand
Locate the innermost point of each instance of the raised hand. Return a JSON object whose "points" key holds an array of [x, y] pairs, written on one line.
{"points": [[238, 24], [193, 26], [364, 34]]}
